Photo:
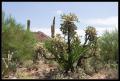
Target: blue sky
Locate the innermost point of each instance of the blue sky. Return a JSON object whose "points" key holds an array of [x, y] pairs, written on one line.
{"points": [[101, 15]]}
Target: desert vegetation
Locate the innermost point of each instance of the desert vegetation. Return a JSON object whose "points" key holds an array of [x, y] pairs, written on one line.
{"points": [[60, 56]]}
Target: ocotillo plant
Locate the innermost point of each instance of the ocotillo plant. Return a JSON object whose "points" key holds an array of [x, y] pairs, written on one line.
{"points": [[28, 25], [53, 28]]}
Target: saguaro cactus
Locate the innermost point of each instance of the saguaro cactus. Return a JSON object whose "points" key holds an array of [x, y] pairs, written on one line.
{"points": [[53, 28], [28, 25]]}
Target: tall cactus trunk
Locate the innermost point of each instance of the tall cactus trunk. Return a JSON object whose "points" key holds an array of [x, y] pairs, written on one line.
{"points": [[53, 29], [28, 25]]}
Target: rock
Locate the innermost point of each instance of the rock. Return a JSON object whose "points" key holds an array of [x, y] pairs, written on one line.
{"points": [[12, 77]]}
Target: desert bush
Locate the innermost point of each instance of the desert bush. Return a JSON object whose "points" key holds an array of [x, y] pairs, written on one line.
{"points": [[39, 51], [58, 49], [16, 40], [108, 44]]}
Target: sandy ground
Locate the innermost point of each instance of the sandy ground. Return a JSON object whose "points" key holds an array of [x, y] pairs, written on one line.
{"points": [[42, 71]]}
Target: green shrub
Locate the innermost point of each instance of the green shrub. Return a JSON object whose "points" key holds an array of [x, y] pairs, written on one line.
{"points": [[108, 44], [16, 41], [58, 49]]}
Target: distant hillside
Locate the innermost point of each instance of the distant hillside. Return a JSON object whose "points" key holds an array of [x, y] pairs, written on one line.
{"points": [[40, 36]]}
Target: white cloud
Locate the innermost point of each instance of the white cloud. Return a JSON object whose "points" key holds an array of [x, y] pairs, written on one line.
{"points": [[59, 12], [102, 24], [110, 21], [81, 33], [101, 30]]}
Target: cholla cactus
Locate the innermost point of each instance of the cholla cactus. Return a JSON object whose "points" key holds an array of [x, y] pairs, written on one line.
{"points": [[39, 51], [8, 64], [58, 38], [58, 43], [38, 45], [90, 34]]}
